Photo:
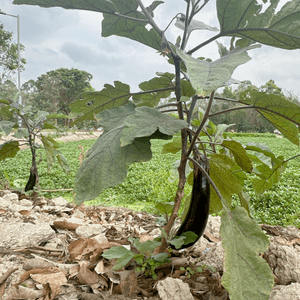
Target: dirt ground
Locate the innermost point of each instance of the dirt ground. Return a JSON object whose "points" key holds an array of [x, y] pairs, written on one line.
{"points": [[52, 250], [66, 137]]}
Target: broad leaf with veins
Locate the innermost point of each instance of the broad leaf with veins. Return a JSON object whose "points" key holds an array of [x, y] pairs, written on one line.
{"points": [[208, 76], [95, 102], [244, 19], [135, 30], [247, 275], [107, 162], [119, 146], [146, 121], [9, 149], [282, 113]]}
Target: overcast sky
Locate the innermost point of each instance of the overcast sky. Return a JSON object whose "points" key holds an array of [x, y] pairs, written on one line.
{"points": [[56, 38]]}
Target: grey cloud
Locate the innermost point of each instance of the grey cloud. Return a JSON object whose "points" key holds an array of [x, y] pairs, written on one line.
{"points": [[86, 55]]}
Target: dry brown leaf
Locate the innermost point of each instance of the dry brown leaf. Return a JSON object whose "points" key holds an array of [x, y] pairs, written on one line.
{"points": [[73, 271], [129, 285], [83, 248], [210, 237], [36, 263], [58, 278], [50, 291], [27, 274], [7, 274], [2, 289], [65, 225], [25, 212], [51, 283], [22, 292], [146, 237], [85, 276]]}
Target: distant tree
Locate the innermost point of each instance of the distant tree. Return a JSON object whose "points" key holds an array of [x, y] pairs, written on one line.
{"points": [[244, 120], [271, 88], [72, 84], [8, 57], [291, 96], [55, 90]]}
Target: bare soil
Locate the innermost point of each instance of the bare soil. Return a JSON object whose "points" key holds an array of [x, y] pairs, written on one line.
{"points": [[66, 137], [53, 249]]}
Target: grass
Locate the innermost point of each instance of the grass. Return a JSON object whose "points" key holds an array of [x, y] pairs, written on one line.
{"points": [[155, 181], [281, 204], [146, 185]]}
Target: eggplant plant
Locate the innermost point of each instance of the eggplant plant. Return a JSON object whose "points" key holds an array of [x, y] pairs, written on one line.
{"points": [[220, 164], [33, 122]]}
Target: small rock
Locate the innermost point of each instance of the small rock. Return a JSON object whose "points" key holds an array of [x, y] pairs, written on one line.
{"points": [[86, 231], [59, 201], [4, 203], [101, 238], [284, 262], [213, 226], [12, 197], [286, 292], [201, 247], [25, 234], [25, 202], [175, 289], [214, 256], [155, 232], [17, 207]]}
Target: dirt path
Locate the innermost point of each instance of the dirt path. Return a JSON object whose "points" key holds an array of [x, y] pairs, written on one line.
{"points": [[67, 137]]}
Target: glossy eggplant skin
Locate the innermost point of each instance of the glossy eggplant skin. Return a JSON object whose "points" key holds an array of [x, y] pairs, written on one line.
{"points": [[197, 215], [31, 181]]}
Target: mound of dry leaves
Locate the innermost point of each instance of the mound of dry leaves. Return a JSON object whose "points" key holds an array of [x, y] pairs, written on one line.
{"points": [[51, 249]]}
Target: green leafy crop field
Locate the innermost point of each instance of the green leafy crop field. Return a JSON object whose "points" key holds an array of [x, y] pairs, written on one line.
{"points": [[155, 181]]}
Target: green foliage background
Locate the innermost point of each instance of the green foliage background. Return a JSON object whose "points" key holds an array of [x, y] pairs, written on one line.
{"points": [[152, 182]]}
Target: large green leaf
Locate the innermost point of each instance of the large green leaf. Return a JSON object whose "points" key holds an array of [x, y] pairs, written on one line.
{"points": [[247, 275], [146, 121], [112, 25], [106, 164], [173, 147], [239, 153], [6, 126], [135, 30], [9, 149], [283, 114], [62, 161], [107, 161], [103, 6], [267, 177], [157, 83], [287, 128], [95, 102], [208, 76], [220, 172], [4, 101], [114, 117], [245, 19], [186, 89], [261, 148], [50, 151]]}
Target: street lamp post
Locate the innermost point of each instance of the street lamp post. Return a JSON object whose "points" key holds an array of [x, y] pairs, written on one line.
{"points": [[19, 62]]}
